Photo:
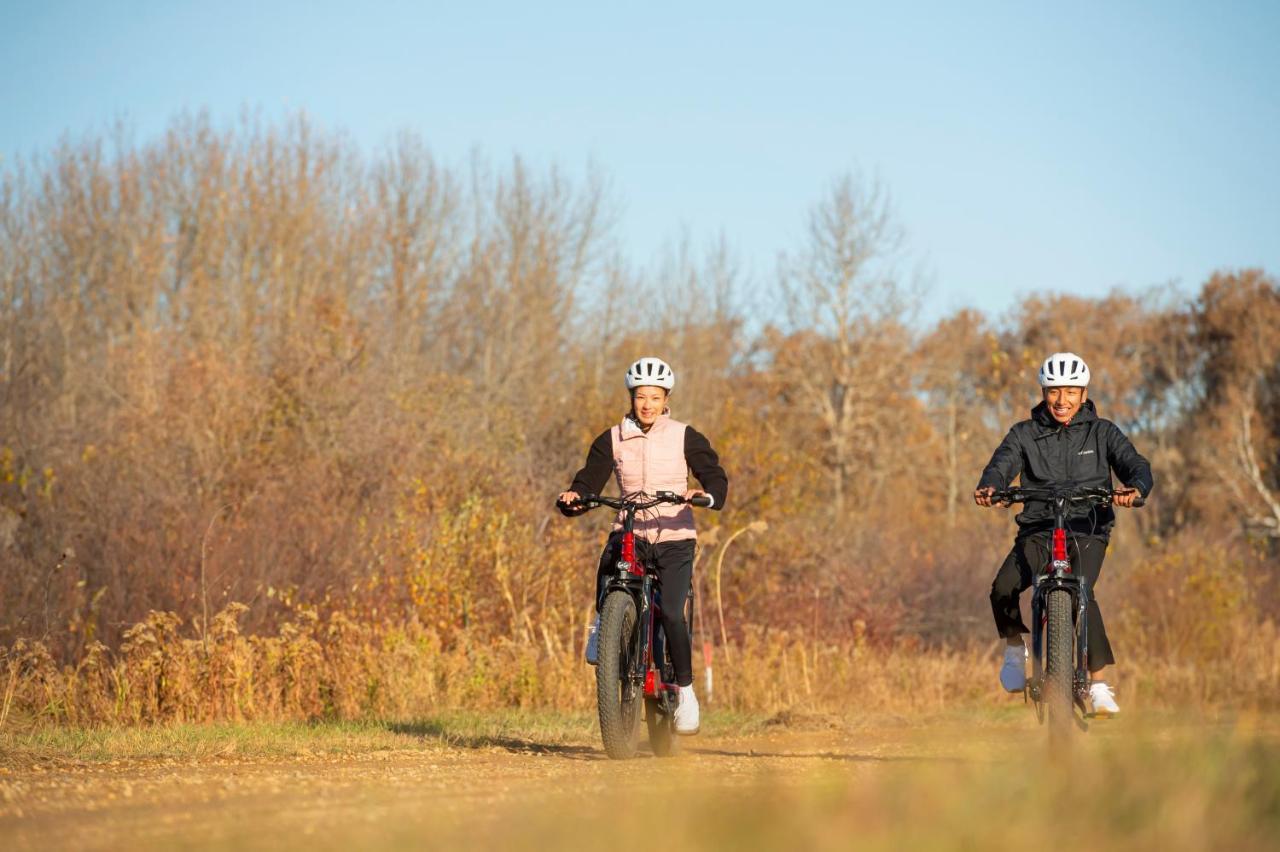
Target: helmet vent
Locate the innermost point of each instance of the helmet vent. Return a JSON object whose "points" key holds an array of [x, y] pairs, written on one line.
{"points": [[1064, 369], [650, 371]]}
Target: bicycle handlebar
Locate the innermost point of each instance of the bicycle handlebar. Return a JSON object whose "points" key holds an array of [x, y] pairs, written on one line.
{"points": [[1098, 496], [592, 501]]}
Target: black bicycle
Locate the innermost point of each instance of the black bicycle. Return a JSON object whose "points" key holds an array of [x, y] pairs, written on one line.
{"points": [[1059, 683], [632, 659]]}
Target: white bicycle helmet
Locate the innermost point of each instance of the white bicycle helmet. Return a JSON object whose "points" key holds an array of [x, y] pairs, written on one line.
{"points": [[650, 372], [1064, 370]]}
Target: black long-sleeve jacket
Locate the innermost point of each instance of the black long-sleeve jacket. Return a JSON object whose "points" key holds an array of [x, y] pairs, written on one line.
{"points": [[1085, 452]]}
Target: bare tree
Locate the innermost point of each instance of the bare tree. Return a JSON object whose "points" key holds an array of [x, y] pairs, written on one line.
{"points": [[841, 358], [1237, 327], [953, 361], [416, 204]]}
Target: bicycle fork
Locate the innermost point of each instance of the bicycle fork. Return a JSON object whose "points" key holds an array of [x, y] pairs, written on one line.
{"points": [[643, 675], [639, 583], [641, 670], [654, 678], [1079, 592]]}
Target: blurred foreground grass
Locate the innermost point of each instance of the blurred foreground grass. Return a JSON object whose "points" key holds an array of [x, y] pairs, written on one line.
{"points": [[522, 780], [1178, 788]]}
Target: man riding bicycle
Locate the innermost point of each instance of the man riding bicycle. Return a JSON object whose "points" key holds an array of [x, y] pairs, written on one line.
{"points": [[649, 452], [1063, 443]]}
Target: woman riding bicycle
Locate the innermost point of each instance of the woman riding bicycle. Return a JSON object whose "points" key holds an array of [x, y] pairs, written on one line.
{"points": [[649, 452], [1064, 442]]}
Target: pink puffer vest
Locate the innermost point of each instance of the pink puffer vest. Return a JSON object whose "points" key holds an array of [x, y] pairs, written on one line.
{"points": [[654, 461]]}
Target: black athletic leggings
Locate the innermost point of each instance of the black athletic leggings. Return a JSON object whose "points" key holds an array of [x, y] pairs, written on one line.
{"points": [[1032, 553], [674, 561]]}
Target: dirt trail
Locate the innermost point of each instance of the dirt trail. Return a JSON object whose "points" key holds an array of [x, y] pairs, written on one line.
{"points": [[216, 800]]}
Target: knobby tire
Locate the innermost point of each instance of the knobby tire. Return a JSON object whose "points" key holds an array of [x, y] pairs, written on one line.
{"points": [[1059, 670], [619, 718]]}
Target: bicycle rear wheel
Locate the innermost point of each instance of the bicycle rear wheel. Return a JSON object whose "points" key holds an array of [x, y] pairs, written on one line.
{"points": [[1059, 670], [617, 701], [662, 729], [662, 725]]}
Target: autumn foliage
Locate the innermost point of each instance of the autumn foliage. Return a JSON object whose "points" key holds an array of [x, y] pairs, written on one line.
{"points": [[282, 425]]}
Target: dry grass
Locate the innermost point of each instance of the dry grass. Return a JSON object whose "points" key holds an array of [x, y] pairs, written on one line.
{"points": [[333, 668], [283, 740]]}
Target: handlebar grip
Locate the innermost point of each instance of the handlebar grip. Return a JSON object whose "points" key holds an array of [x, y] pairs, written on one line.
{"points": [[702, 500], [1140, 501]]}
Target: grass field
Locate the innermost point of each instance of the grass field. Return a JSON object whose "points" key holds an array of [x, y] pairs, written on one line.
{"points": [[963, 780]]}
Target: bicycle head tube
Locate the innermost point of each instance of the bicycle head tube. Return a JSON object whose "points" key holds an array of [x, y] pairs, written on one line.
{"points": [[628, 563], [1060, 561]]}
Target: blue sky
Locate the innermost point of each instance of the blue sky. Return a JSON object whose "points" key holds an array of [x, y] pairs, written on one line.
{"points": [[1026, 149]]}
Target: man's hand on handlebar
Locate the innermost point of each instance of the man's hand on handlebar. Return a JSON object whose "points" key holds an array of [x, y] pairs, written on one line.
{"points": [[1129, 498], [982, 496]]}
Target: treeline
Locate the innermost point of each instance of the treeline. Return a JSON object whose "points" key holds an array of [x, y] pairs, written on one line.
{"points": [[254, 365]]}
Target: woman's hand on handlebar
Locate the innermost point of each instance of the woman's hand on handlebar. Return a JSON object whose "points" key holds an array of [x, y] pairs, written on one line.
{"points": [[693, 492], [568, 498]]}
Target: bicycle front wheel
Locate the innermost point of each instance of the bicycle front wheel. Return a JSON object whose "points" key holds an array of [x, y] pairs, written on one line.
{"points": [[617, 700], [1059, 670]]}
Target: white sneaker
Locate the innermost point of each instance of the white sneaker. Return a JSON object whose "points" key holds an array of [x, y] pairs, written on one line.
{"points": [[593, 641], [1103, 699], [687, 712], [1013, 674]]}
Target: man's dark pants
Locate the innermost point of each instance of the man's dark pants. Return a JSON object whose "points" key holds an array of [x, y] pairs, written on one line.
{"points": [[1031, 554]]}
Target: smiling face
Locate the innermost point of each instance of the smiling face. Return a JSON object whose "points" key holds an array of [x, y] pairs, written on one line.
{"points": [[1063, 403], [647, 404]]}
